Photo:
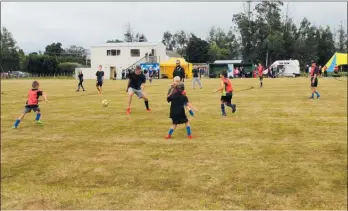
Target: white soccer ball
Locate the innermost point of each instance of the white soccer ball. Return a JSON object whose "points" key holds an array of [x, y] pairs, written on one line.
{"points": [[105, 103]]}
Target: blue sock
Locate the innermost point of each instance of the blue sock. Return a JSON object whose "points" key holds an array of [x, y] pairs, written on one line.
{"points": [[171, 131], [229, 105], [312, 95], [223, 109], [191, 112], [38, 115], [17, 122], [188, 129], [318, 95]]}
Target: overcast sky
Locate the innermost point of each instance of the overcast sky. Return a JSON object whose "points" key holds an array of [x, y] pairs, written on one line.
{"points": [[35, 25]]}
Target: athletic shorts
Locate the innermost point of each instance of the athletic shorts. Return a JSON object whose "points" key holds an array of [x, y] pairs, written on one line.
{"points": [[227, 98], [178, 121], [28, 109], [137, 92], [100, 83], [315, 84], [261, 78]]}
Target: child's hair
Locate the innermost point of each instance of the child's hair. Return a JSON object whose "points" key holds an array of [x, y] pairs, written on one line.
{"points": [[176, 79], [224, 73], [35, 84]]}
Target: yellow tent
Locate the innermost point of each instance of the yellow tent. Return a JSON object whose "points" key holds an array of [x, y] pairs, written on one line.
{"points": [[337, 59], [167, 67]]}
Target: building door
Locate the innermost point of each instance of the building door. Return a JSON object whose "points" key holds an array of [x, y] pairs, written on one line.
{"points": [[112, 72]]}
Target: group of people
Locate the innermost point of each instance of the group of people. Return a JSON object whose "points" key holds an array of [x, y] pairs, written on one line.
{"points": [[176, 94]]}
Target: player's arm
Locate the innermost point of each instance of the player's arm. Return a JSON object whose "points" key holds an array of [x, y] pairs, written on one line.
{"points": [[221, 87], [44, 95], [191, 106], [315, 74]]}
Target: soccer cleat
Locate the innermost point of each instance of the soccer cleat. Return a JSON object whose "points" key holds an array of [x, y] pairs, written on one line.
{"points": [[14, 127], [189, 137], [128, 111], [148, 109], [223, 115], [39, 122], [168, 137], [311, 98], [318, 96], [234, 108]]}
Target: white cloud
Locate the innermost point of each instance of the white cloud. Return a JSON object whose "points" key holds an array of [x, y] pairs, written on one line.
{"points": [[35, 25]]}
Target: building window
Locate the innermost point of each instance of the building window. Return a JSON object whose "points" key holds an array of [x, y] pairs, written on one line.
{"points": [[113, 52], [135, 52]]}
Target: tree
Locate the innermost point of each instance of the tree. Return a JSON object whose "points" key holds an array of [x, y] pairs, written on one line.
{"points": [[129, 34], [55, 49], [326, 45], [140, 38], [197, 50], [168, 41], [181, 39], [10, 60], [342, 40], [75, 51]]}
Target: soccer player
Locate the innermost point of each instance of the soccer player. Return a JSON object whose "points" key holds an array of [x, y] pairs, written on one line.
{"points": [[226, 90], [314, 80], [136, 85], [196, 78], [177, 85], [260, 71], [100, 79], [32, 104], [177, 112], [80, 82]]}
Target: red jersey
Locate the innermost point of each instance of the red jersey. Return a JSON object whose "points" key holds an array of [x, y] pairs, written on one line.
{"points": [[33, 96], [260, 70], [228, 86], [314, 71]]}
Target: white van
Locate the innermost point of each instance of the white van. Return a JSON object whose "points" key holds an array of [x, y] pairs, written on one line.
{"points": [[286, 68]]}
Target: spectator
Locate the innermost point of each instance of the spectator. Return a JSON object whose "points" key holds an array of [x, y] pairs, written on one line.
{"points": [[179, 71], [195, 73]]}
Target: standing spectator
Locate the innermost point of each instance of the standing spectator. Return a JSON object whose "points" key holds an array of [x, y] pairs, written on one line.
{"points": [[179, 71], [319, 71], [80, 82], [123, 74], [196, 78], [115, 75], [336, 69], [325, 71]]}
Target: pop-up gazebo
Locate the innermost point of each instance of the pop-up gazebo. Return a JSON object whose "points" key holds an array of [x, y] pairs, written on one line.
{"points": [[337, 59], [167, 67]]}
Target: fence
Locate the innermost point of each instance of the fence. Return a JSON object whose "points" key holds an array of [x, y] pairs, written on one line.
{"points": [[41, 76]]}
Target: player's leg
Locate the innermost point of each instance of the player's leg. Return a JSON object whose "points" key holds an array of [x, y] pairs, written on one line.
{"points": [[193, 83], [19, 119], [315, 91], [130, 96], [199, 83], [143, 95], [82, 86], [78, 86], [188, 130], [261, 79], [222, 106], [171, 131], [97, 85], [228, 102], [38, 115], [101, 88]]}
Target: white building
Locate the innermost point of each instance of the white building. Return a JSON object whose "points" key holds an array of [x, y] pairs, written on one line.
{"points": [[118, 56]]}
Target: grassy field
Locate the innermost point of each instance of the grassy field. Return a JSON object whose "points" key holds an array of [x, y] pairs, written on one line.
{"points": [[278, 151]]}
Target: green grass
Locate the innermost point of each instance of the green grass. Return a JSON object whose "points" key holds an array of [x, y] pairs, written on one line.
{"points": [[278, 151]]}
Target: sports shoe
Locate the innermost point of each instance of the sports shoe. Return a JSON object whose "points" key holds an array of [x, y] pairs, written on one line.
{"points": [[128, 111], [318, 96], [39, 122], [14, 127], [223, 115], [189, 137], [168, 137], [311, 98], [148, 109], [234, 108]]}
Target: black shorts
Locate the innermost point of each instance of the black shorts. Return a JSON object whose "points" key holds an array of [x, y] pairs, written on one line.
{"points": [[315, 84], [179, 120], [227, 98], [261, 78], [99, 83], [29, 108]]}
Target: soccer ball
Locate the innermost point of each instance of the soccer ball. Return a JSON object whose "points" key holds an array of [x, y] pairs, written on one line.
{"points": [[105, 103]]}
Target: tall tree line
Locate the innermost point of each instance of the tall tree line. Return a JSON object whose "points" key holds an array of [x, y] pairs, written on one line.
{"points": [[261, 35]]}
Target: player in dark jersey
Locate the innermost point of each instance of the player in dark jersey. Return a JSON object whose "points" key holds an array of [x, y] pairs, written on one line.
{"points": [[226, 90], [314, 80], [100, 79], [177, 111], [80, 82], [136, 85], [32, 104]]}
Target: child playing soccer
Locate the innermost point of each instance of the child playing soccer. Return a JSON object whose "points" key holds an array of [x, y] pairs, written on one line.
{"points": [[177, 85], [177, 112], [226, 93], [32, 104]]}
